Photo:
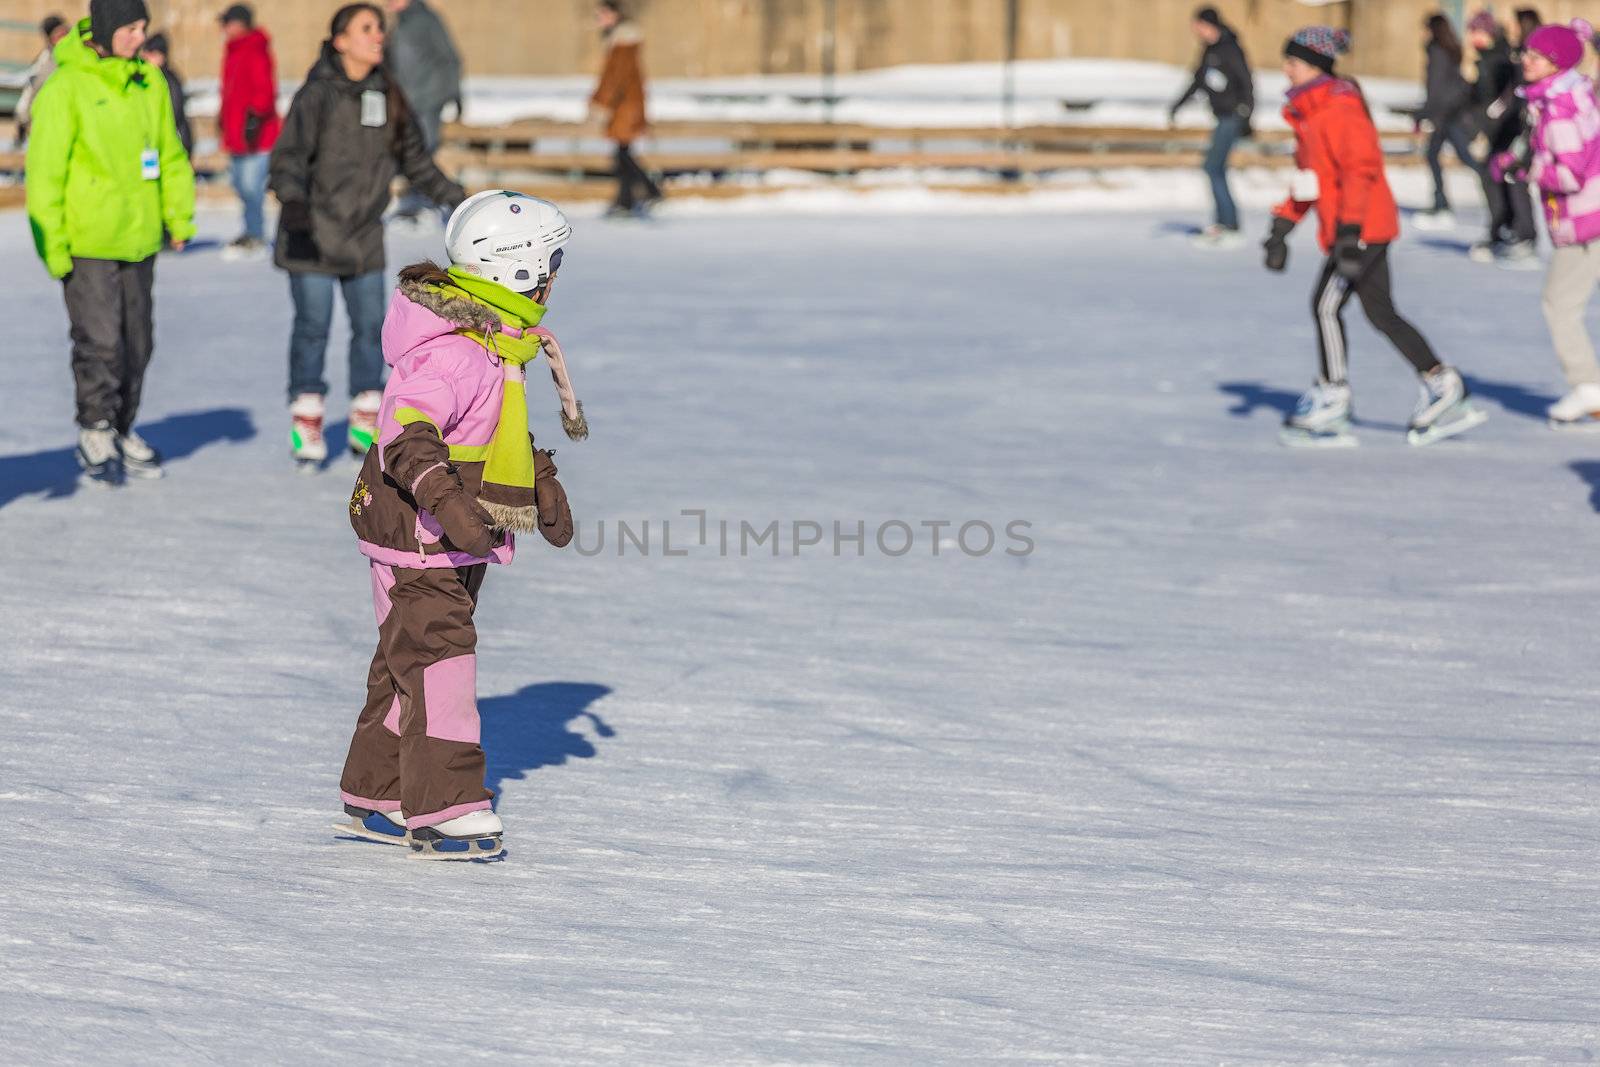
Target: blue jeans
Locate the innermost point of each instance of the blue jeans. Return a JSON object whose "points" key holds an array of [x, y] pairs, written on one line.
{"points": [[1229, 129], [249, 174], [364, 297]]}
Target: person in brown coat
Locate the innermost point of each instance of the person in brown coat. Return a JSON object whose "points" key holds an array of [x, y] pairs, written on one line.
{"points": [[619, 102]]}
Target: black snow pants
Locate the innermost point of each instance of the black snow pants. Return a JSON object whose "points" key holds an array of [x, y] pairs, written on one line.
{"points": [[113, 335], [1374, 287], [633, 184]]}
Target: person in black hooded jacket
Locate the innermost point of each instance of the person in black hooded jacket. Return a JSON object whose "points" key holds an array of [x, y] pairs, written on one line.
{"points": [[348, 134], [1224, 74], [1501, 115]]}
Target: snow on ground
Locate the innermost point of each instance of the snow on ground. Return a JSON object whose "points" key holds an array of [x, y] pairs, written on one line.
{"points": [[1258, 756], [1100, 92]]}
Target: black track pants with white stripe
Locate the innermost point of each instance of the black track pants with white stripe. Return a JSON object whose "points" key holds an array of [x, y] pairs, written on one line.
{"points": [[1374, 287]]}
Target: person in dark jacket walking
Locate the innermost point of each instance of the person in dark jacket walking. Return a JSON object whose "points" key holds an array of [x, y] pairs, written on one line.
{"points": [[1501, 114], [1224, 74], [1444, 112], [421, 56], [156, 52], [348, 134]]}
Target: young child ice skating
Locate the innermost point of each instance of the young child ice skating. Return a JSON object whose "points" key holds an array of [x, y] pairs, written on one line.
{"points": [[1341, 176], [454, 471], [1562, 159]]}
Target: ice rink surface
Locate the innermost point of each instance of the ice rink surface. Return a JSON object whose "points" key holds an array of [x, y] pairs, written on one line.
{"points": [[1259, 756]]}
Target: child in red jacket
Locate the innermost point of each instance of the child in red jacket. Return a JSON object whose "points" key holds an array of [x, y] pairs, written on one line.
{"points": [[1341, 176]]}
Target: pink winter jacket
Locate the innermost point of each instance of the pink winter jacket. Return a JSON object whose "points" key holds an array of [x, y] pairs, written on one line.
{"points": [[452, 383], [1565, 151]]}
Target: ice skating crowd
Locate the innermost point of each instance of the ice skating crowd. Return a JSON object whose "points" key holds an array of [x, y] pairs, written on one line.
{"points": [[1536, 112], [438, 367]]}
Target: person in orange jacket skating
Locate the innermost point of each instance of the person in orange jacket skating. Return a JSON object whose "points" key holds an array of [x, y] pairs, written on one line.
{"points": [[1341, 177]]}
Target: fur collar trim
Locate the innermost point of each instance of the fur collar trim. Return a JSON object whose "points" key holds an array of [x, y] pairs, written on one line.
{"points": [[455, 309]]}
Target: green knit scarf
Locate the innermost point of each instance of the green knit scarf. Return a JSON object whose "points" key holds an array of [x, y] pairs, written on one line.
{"points": [[508, 464]]}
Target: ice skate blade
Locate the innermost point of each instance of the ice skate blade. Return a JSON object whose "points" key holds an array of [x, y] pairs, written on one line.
{"points": [[1578, 426], [1293, 437], [144, 474], [1468, 416], [356, 829], [458, 849]]}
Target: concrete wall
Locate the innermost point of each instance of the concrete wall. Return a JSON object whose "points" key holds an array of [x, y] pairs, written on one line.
{"points": [[711, 37]]}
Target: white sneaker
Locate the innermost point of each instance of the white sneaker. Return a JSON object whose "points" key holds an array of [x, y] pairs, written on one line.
{"points": [[1579, 407], [139, 459], [305, 435], [1484, 252], [364, 421]]}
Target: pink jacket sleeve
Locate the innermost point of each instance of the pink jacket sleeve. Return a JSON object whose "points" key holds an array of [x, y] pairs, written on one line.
{"points": [[1567, 150]]}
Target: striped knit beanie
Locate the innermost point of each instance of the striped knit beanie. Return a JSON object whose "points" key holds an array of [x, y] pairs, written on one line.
{"points": [[1321, 46]]}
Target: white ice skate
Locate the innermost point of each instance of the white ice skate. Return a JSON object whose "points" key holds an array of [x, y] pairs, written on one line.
{"points": [[1484, 252], [1440, 221], [139, 459], [384, 827], [98, 456], [364, 421], [305, 435], [1217, 238], [477, 835], [1443, 409], [1579, 410], [1321, 419], [1518, 255]]}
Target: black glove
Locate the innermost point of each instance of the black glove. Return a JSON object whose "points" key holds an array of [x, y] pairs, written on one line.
{"points": [[295, 218], [1277, 244], [253, 124], [555, 513], [1348, 251]]}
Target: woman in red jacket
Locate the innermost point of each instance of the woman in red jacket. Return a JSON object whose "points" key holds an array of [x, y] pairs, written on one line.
{"points": [[1341, 176], [248, 122]]}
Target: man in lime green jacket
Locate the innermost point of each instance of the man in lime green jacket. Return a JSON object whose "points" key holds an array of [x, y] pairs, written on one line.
{"points": [[106, 172]]}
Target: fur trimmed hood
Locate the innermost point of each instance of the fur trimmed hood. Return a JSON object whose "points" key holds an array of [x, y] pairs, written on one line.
{"points": [[419, 284]]}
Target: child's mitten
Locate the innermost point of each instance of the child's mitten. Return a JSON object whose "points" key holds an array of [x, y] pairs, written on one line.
{"points": [[555, 513], [464, 521]]}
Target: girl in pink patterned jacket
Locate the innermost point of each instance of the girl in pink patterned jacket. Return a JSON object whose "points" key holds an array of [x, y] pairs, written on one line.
{"points": [[1563, 164]]}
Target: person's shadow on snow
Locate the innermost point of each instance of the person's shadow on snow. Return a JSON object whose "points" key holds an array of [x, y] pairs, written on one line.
{"points": [[1589, 471], [534, 728], [1517, 399], [1249, 396], [55, 472]]}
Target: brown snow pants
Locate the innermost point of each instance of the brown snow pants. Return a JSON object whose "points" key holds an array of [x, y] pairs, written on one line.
{"points": [[416, 746]]}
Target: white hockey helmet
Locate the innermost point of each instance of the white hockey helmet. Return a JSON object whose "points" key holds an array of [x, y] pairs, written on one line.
{"points": [[508, 238]]}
